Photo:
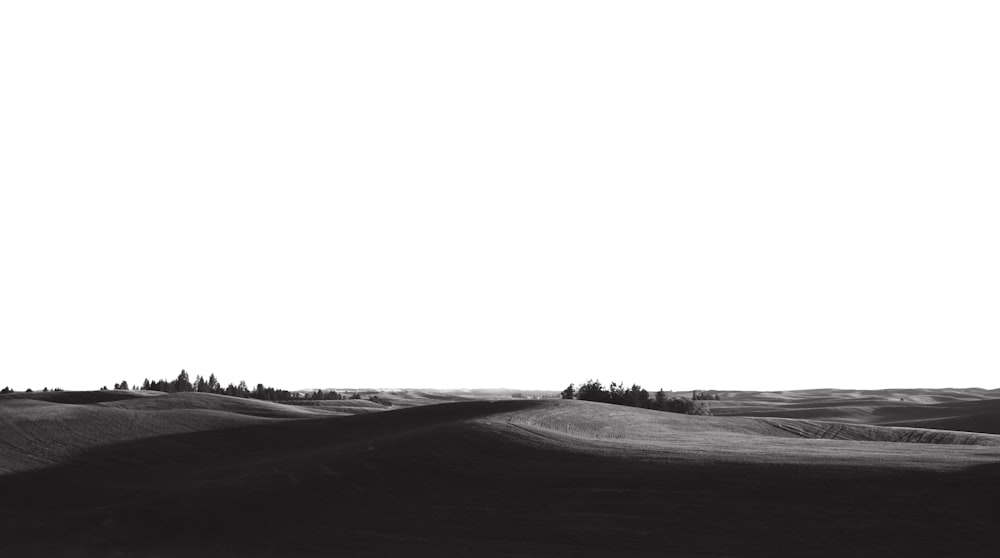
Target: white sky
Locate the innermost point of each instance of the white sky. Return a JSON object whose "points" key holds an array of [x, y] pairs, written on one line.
{"points": [[699, 194]]}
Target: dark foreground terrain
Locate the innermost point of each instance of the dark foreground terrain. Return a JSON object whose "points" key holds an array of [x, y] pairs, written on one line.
{"points": [[205, 475]]}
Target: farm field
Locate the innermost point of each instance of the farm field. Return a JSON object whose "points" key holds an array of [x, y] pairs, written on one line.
{"points": [[811, 473]]}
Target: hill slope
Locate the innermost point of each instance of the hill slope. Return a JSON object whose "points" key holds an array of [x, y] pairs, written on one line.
{"points": [[512, 478], [971, 410], [51, 428]]}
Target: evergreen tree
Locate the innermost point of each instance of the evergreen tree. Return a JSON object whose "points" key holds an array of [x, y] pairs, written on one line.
{"points": [[568, 393], [183, 382]]}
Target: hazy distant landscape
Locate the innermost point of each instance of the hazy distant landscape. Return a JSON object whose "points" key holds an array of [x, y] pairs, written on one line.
{"points": [[822, 472]]}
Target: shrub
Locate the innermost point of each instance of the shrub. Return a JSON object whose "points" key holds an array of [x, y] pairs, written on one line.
{"points": [[687, 406]]}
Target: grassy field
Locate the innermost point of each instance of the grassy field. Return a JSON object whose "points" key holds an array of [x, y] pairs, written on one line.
{"points": [[121, 474]]}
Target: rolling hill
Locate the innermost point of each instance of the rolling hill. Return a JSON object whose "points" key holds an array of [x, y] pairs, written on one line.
{"points": [[503, 478], [971, 410]]}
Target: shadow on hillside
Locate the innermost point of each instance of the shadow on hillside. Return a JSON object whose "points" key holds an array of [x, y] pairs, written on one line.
{"points": [[79, 397]]}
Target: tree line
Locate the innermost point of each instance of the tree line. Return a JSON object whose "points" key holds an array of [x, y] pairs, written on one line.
{"points": [[636, 396], [7, 389], [184, 383]]}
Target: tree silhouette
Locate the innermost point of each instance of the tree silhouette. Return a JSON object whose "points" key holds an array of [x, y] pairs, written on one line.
{"points": [[661, 400], [636, 396], [183, 382], [592, 390], [213, 384]]}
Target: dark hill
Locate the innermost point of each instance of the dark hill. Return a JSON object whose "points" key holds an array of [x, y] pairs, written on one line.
{"points": [[511, 478]]}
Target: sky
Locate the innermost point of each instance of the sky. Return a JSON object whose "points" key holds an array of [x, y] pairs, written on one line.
{"points": [[458, 194]]}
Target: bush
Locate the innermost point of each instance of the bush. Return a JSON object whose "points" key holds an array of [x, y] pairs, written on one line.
{"points": [[687, 406]]}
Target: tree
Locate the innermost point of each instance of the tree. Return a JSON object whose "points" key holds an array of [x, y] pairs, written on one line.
{"points": [[592, 390], [164, 386], [637, 397], [259, 392], [698, 395], [687, 406], [5, 390], [661, 400], [213, 384], [616, 394], [568, 393], [183, 382], [331, 395], [123, 385]]}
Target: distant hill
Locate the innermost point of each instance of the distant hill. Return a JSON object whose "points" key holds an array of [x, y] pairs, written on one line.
{"points": [[971, 410]]}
